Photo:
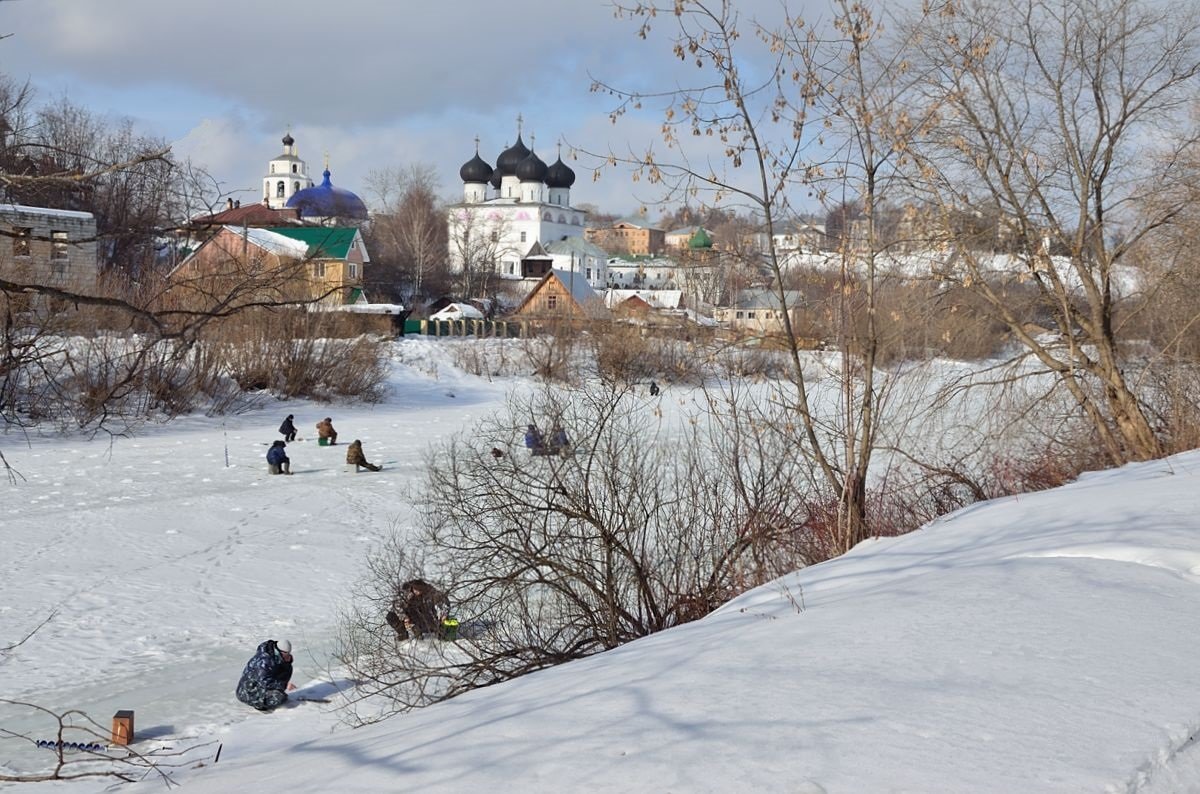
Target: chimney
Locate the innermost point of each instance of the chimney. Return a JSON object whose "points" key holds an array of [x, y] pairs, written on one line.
{"points": [[237, 204], [228, 203]]}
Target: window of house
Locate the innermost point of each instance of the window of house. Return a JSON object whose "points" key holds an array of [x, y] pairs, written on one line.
{"points": [[750, 315], [319, 269], [738, 315], [59, 244], [589, 274], [279, 190], [352, 269], [21, 238], [551, 301], [522, 236]]}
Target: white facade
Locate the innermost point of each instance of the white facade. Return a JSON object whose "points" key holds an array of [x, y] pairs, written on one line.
{"points": [[286, 176], [506, 211]]}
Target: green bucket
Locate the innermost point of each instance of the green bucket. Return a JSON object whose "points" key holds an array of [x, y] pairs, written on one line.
{"points": [[322, 442], [450, 629]]}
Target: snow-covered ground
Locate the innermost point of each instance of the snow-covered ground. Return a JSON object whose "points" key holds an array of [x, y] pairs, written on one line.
{"points": [[1042, 643]]}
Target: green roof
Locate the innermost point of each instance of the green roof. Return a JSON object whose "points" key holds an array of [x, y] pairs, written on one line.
{"points": [[324, 242], [700, 239]]}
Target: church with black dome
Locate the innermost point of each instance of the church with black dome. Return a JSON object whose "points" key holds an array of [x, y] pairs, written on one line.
{"points": [[517, 217]]}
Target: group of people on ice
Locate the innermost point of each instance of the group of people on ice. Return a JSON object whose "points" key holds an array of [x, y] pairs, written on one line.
{"points": [[278, 461], [558, 443], [419, 611]]}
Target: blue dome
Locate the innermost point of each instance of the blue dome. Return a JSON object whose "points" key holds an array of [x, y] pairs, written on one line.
{"points": [[326, 201]]}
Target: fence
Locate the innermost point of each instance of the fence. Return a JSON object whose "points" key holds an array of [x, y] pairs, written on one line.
{"points": [[501, 328]]}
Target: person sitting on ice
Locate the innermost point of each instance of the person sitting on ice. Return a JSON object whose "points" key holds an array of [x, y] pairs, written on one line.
{"points": [[288, 429], [325, 430], [418, 610], [559, 444], [533, 440], [355, 455], [277, 460], [268, 676]]}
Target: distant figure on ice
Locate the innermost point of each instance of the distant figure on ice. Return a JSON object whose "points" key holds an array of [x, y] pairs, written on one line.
{"points": [[277, 460], [418, 610], [325, 431], [654, 390], [497, 453], [354, 454], [559, 444], [533, 440], [268, 676], [288, 429]]}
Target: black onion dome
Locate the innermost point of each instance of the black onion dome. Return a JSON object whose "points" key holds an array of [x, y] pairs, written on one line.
{"points": [[475, 170], [288, 140], [559, 175], [511, 157], [531, 169], [495, 181]]}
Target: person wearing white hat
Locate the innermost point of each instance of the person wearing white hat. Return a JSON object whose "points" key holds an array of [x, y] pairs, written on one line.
{"points": [[267, 678]]}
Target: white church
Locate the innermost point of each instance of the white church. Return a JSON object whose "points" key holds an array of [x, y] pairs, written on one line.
{"points": [[517, 219]]}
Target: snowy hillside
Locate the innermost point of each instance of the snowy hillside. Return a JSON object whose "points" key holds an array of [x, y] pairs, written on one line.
{"points": [[1043, 643]]}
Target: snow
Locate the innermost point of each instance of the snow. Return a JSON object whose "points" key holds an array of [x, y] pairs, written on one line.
{"points": [[1038, 643], [458, 311]]}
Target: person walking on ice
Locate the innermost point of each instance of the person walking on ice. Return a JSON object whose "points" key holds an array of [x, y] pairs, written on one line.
{"points": [[355, 455], [277, 460], [288, 428], [268, 676], [325, 431]]}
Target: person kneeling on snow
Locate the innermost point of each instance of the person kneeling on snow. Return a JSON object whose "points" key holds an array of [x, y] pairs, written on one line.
{"points": [[268, 676], [418, 610], [277, 460], [354, 455]]}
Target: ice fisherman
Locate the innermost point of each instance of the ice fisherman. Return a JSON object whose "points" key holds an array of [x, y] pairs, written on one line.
{"points": [[418, 610], [288, 429], [277, 460], [325, 430], [355, 455], [559, 443], [533, 439], [268, 676]]}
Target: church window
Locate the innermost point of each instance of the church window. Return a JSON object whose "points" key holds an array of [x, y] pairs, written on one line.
{"points": [[589, 274], [279, 190], [295, 187], [522, 236], [295, 168], [272, 168], [495, 236], [562, 218]]}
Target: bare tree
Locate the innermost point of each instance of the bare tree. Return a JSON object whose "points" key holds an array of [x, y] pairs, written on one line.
{"points": [[1067, 121], [636, 527], [408, 234]]}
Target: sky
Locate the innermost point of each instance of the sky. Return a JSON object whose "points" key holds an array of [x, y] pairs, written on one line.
{"points": [[373, 85], [1042, 642]]}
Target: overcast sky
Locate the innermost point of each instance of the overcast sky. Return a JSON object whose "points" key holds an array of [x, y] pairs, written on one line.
{"points": [[373, 84]]}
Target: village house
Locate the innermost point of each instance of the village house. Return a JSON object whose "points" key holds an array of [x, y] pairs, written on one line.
{"points": [[629, 236], [56, 248], [561, 293], [301, 263], [758, 312]]}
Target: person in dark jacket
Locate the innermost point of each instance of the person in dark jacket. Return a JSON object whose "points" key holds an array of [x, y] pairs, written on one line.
{"points": [[277, 460], [533, 440], [354, 455], [325, 430], [288, 429], [418, 610], [268, 676], [559, 443]]}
